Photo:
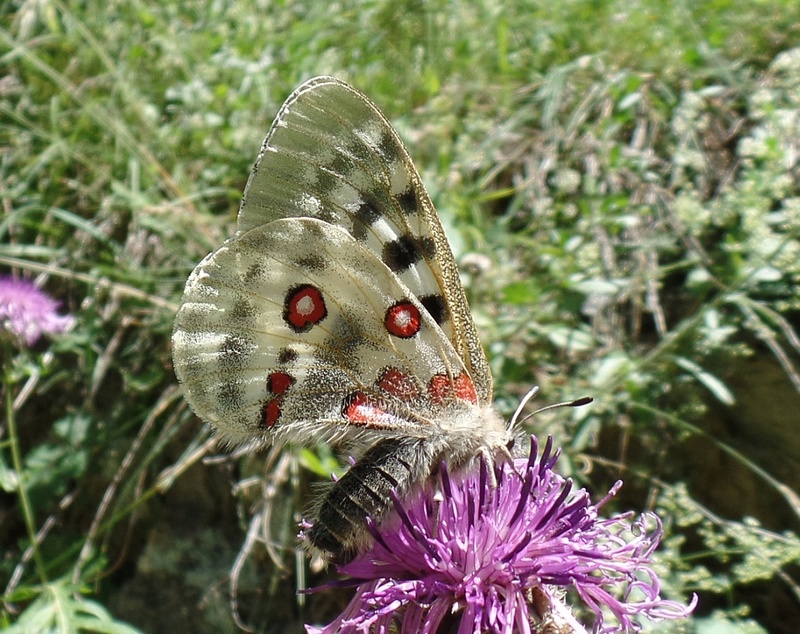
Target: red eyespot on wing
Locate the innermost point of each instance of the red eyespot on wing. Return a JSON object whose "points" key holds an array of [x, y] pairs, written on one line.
{"points": [[442, 388], [398, 383], [271, 412], [465, 388], [402, 319], [360, 409], [304, 307], [279, 382]]}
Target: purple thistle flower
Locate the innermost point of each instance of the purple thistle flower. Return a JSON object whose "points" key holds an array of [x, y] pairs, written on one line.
{"points": [[500, 558], [28, 313]]}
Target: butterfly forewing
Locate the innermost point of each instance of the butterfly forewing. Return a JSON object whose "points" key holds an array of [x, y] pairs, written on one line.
{"points": [[332, 155]]}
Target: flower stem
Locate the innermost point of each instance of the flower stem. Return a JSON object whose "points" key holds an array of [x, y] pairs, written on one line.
{"points": [[16, 458]]}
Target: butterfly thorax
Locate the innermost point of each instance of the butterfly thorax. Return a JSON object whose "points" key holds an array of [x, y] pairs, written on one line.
{"points": [[469, 432]]}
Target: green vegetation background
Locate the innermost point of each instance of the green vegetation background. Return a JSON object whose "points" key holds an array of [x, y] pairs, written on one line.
{"points": [[619, 181]]}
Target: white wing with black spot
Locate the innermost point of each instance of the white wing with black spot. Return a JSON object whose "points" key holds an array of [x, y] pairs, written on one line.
{"points": [[332, 155], [295, 330]]}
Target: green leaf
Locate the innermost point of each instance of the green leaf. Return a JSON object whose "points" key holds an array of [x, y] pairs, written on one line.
{"points": [[714, 385], [61, 609]]}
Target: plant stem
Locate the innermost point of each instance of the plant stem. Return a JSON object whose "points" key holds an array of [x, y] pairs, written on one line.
{"points": [[16, 458]]}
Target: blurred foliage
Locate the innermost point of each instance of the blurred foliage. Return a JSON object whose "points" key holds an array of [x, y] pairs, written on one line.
{"points": [[620, 184]]}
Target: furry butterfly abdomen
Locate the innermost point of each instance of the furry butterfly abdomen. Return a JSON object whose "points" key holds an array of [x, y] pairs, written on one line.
{"points": [[336, 313]]}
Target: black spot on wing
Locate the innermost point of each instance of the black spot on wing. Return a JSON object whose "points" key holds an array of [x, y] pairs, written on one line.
{"points": [[312, 262], [387, 146], [230, 394], [327, 181], [436, 307], [254, 272], [405, 251], [342, 163], [287, 355], [408, 201], [242, 312], [312, 231], [234, 352], [363, 218], [341, 347]]}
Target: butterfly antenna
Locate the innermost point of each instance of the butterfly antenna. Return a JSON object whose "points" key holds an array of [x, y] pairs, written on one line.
{"points": [[578, 402], [531, 393]]}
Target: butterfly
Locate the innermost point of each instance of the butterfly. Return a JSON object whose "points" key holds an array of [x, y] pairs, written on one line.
{"points": [[336, 313]]}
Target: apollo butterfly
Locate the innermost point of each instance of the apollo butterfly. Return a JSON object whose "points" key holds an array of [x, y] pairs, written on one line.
{"points": [[336, 313]]}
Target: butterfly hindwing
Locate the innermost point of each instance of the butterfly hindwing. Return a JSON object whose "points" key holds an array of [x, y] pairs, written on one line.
{"points": [[294, 329], [332, 155]]}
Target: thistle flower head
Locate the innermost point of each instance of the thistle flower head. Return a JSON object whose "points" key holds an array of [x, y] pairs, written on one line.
{"points": [[484, 558], [27, 313]]}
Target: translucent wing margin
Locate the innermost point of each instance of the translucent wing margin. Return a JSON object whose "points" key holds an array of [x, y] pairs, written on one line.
{"points": [[332, 155]]}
